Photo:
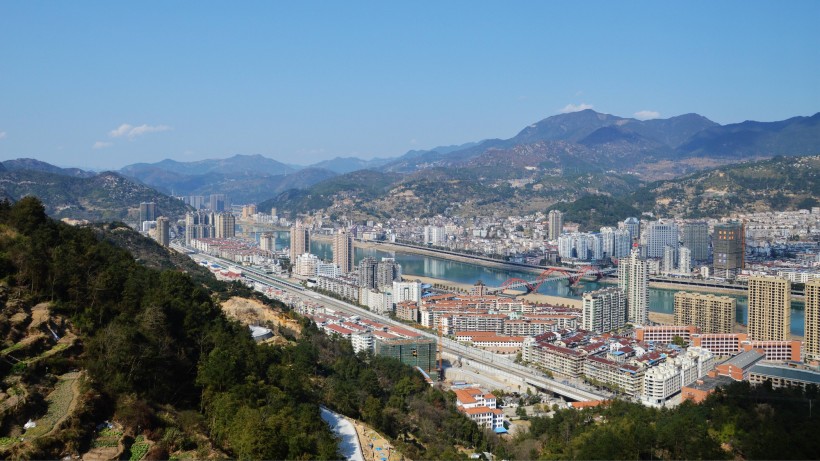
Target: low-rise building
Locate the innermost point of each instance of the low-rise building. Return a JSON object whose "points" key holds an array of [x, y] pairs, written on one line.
{"points": [[738, 367], [407, 310], [480, 407], [558, 359], [665, 334], [625, 378], [783, 376]]}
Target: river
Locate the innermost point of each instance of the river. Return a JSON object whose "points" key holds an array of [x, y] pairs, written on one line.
{"points": [[660, 300]]}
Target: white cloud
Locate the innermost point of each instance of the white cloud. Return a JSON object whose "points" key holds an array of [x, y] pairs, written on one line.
{"points": [[2, 134], [102, 145], [575, 107], [647, 114], [132, 132]]}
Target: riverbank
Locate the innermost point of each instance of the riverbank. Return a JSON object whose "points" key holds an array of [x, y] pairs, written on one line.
{"points": [[682, 287], [449, 256], [535, 270], [466, 287], [661, 318]]}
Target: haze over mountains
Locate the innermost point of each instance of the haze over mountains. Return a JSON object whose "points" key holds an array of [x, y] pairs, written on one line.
{"points": [[560, 158]]}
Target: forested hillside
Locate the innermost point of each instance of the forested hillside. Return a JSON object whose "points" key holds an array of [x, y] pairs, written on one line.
{"points": [[152, 351]]}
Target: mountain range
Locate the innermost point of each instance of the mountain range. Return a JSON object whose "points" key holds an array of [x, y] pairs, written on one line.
{"points": [[566, 144], [77, 194], [558, 159]]}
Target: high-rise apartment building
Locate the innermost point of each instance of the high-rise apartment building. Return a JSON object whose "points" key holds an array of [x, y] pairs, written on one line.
{"points": [[225, 225], [659, 236], [343, 251], [387, 271], [555, 220], [367, 272], [219, 202], [299, 241], [197, 201], [248, 211], [604, 310], [267, 242], [633, 226], [434, 235], [670, 256], [622, 243], [633, 279], [769, 308], [199, 224], [148, 212], [684, 261], [728, 247], [710, 313], [608, 240], [163, 231], [695, 236], [811, 336]]}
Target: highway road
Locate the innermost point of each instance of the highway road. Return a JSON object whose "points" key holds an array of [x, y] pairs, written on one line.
{"points": [[488, 361]]}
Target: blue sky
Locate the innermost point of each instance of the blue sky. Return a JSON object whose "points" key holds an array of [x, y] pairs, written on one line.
{"points": [[103, 85]]}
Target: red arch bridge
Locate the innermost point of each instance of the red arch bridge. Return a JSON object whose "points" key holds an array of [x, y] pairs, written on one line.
{"points": [[555, 273]]}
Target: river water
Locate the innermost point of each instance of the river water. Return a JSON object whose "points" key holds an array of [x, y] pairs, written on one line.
{"points": [[660, 300]]}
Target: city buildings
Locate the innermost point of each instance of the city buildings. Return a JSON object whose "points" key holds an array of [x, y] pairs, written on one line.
{"points": [[406, 291], [633, 279], [367, 272], [616, 242], [225, 225], [387, 271], [604, 310], [581, 246], [695, 237], [684, 261], [305, 265], [218, 203], [783, 376], [148, 212], [812, 329], [163, 231], [198, 225], [670, 255], [708, 312], [728, 244], [556, 224], [434, 235], [418, 351], [299, 241], [633, 226], [769, 308], [481, 407], [343, 251], [660, 235], [663, 381]]}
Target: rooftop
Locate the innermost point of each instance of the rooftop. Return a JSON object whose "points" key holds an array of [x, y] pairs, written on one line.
{"points": [[794, 374], [708, 383], [745, 359]]}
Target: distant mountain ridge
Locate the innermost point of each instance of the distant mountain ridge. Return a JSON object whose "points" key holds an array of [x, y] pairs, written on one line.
{"points": [[571, 143], [37, 165], [245, 178], [107, 196], [238, 164], [613, 141]]}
